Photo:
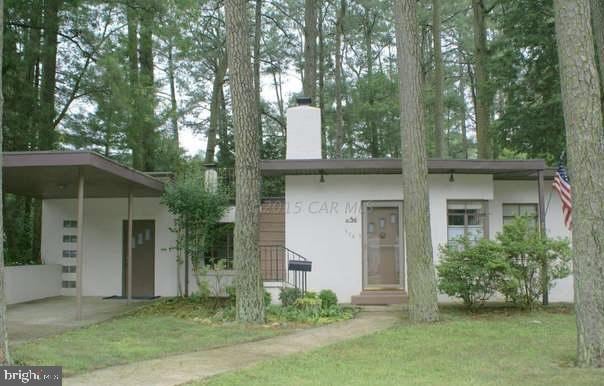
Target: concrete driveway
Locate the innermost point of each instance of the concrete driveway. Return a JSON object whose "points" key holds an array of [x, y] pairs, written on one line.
{"points": [[51, 316]]}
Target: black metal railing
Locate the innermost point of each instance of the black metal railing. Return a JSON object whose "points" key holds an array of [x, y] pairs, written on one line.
{"points": [[284, 265]]}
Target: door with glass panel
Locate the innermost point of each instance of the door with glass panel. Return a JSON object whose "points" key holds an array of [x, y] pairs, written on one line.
{"points": [[383, 245]]}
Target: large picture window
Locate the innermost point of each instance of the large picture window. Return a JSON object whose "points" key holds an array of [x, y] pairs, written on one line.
{"points": [[511, 211], [221, 246], [466, 219]]}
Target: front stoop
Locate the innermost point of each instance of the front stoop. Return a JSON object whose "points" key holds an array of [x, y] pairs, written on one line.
{"points": [[380, 297]]}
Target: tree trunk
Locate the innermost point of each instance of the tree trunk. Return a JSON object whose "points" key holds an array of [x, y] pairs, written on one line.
{"points": [[257, 61], [134, 127], [597, 17], [440, 143], [173, 102], [29, 106], [585, 144], [322, 80], [483, 105], [309, 84], [250, 290], [463, 112], [4, 353], [47, 135], [369, 20], [215, 108], [147, 107], [421, 274], [339, 142]]}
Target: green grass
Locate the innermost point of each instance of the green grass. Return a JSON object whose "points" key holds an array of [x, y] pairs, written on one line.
{"points": [[154, 331], [493, 347]]}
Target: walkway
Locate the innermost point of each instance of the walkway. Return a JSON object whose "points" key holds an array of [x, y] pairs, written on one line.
{"points": [[54, 315], [178, 369]]}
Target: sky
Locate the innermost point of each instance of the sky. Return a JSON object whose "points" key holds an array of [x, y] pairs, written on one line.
{"points": [[193, 142]]}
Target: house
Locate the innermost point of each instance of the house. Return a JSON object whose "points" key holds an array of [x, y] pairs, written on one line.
{"points": [[346, 216]]}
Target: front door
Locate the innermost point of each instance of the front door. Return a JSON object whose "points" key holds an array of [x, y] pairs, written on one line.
{"points": [[383, 246], [143, 258]]}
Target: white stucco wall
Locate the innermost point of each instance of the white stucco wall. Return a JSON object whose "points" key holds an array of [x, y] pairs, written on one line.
{"points": [[316, 215], [102, 242], [30, 282]]}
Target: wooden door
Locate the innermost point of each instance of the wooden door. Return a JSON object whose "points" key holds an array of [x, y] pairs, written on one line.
{"points": [[143, 258]]}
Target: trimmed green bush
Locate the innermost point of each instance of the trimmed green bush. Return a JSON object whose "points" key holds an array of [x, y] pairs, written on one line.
{"points": [[535, 262], [328, 298], [472, 271], [288, 296]]}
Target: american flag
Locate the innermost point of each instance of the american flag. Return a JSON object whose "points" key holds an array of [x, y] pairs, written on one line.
{"points": [[562, 186]]}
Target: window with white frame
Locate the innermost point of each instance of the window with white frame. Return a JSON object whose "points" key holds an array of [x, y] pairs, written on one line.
{"points": [[530, 211], [466, 219]]}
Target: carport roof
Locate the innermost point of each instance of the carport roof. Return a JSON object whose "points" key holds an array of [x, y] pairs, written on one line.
{"points": [[54, 174]]}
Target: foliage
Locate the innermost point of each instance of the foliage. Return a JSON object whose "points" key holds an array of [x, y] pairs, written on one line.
{"points": [[527, 253], [519, 265], [267, 298], [231, 292], [197, 211], [309, 304], [472, 271], [328, 298], [289, 295]]}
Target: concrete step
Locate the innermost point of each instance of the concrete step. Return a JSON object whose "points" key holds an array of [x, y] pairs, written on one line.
{"points": [[379, 297]]}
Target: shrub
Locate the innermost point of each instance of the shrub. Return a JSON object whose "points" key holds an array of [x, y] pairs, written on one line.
{"points": [[328, 298], [534, 261], [288, 296], [267, 298], [309, 305], [472, 271]]}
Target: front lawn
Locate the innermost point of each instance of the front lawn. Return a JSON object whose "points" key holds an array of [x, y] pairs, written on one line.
{"points": [[494, 347], [167, 327]]}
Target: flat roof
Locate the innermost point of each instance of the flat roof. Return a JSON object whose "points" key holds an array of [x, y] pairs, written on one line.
{"points": [[54, 174], [501, 169]]}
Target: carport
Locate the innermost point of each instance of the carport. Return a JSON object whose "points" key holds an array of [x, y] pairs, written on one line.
{"points": [[78, 175]]}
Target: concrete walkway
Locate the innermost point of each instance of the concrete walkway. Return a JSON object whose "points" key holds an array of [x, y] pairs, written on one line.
{"points": [[54, 315], [178, 369]]}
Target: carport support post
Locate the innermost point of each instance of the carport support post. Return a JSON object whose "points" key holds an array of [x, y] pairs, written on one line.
{"points": [[80, 249], [544, 268], [129, 246]]}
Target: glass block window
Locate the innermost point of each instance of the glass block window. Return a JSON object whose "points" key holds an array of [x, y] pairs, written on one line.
{"points": [[70, 224], [70, 253], [69, 268], [70, 238], [69, 284]]}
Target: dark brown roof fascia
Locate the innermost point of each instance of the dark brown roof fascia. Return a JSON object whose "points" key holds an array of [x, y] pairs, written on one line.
{"points": [[393, 166]]}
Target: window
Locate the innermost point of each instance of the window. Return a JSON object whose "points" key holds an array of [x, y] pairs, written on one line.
{"points": [[69, 268], [69, 284], [70, 224], [511, 211], [70, 253], [221, 248], [466, 219], [70, 238]]}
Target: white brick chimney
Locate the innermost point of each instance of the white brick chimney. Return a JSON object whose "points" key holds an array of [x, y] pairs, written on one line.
{"points": [[303, 131]]}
